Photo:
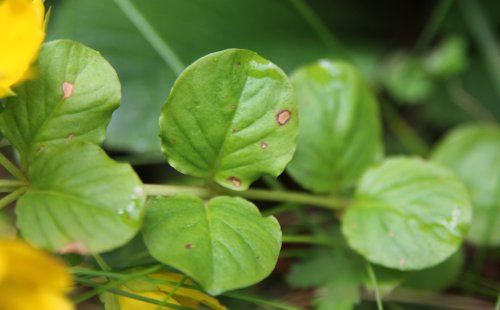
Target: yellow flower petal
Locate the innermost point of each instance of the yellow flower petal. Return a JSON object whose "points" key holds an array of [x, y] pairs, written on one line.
{"points": [[14, 297], [29, 266], [21, 32], [127, 303]]}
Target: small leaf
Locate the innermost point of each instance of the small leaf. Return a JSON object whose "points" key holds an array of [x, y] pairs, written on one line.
{"points": [[80, 200], [448, 59], [406, 79], [223, 244], [72, 98], [340, 131], [231, 117], [473, 152], [407, 214]]}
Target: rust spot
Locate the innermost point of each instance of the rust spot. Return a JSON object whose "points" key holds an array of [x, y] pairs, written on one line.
{"points": [[76, 247], [67, 90], [189, 246], [283, 117], [70, 137], [390, 234], [263, 145], [233, 130], [235, 181]]}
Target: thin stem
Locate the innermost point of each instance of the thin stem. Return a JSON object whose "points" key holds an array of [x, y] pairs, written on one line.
{"points": [[111, 284], [437, 17], [467, 102], [405, 134], [373, 279], [307, 239], [151, 35], [259, 301], [10, 198], [484, 34], [101, 262], [172, 292], [328, 202], [10, 185], [11, 168], [319, 27], [129, 295]]}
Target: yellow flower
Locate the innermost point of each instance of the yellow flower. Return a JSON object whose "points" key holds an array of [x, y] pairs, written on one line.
{"points": [[21, 34], [158, 286], [31, 279]]}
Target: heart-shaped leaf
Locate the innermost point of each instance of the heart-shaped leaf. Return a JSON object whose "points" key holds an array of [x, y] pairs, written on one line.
{"points": [[340, 134], [223, 244], [72, 98], [80, 200], [231, 117], [473, 152], [407, 214]]}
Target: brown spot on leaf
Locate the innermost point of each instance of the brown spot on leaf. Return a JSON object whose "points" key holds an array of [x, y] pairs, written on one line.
{"points": [[67, 90], [189, 246], [283, 117], [235, 181], [390, 234], [233, 130], [70, 137], [76, 247], [263, 145]]}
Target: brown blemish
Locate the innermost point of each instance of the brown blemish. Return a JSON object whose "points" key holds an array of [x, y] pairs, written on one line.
{"points": [[283, 117], [233, 130], [263, 145], [76, 247], [235, 181], [70, 137], [390, 234], [67, 90], [189, 246]]}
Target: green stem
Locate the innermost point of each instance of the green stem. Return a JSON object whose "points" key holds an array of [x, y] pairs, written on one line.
{"points": [[327, 202], [307, 239], [320, 28], [171, 293], [100, 288], [10, 185], [373, 279], [484, 34], [115, 291], [10, 198], [259, 301], [101, 262], [437, 17], [11, 168], [497, 306], [151, 35], [405, 134]]}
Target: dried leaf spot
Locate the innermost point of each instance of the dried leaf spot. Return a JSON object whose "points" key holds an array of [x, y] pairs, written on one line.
{"points": [[263, 145], [235, 181], [283, 117], [233, 130], [70, 137], [402, 261], [67, 90], [189, 246], [76, 247]]}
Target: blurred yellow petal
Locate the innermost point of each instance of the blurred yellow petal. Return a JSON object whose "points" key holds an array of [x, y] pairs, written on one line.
{"points": [[33, 267], [127, 303], [31, 279], [21, 34]]}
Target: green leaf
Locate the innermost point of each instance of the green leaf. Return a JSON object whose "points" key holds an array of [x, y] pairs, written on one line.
{"points": [[407, 214], [273, 28], [473, 152], [79, 198], [72, 98], [439, 277], [340, 131], [223, 244], [406, 79], [448, 59], [231, 117]]}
